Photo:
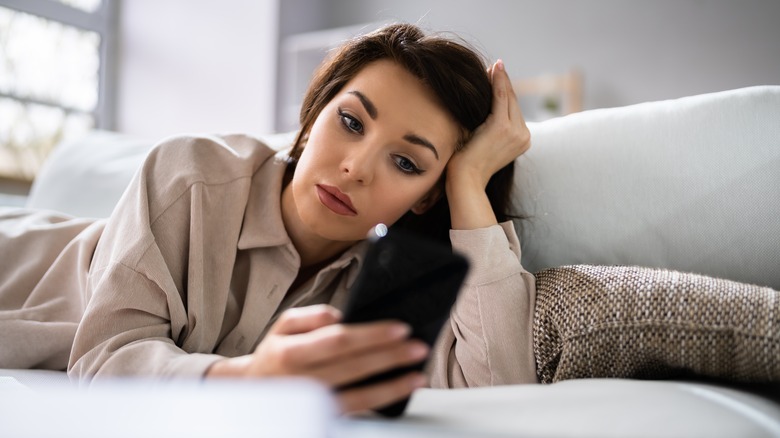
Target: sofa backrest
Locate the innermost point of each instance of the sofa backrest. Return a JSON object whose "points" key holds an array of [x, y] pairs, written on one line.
{"points": [[691, 184]]}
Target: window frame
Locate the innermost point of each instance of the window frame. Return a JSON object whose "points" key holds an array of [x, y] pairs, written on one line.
{"points": [[103, 21]]}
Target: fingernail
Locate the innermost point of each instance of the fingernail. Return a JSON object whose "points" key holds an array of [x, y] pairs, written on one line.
{"points": [[418, 351], [400, 330], [419, 381], [500, 64]]}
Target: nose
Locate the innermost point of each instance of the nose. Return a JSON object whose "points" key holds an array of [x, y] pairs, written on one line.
{"points": [[359, 164]]}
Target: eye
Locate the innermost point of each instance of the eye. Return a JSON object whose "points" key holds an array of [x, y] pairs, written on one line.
{"points": [[406, 165], [350, 123]]}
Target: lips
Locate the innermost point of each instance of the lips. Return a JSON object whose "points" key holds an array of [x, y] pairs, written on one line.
{"points": [[337, 201]]}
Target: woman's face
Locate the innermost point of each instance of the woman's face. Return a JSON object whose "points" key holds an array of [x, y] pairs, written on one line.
{"points": [[375, 151]]}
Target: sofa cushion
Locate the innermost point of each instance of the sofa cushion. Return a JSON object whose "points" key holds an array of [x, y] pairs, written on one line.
{"points": [[691, 184], [632, 322], [601, 408], [86, 177]]}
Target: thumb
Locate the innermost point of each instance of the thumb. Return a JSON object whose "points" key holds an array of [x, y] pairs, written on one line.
{"points": [[305, 319]]}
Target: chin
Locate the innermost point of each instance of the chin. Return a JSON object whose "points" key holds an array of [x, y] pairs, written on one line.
{"points": [[337, 230]]}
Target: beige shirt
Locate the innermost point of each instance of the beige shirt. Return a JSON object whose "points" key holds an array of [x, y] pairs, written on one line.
{"points": [[195, 264]]}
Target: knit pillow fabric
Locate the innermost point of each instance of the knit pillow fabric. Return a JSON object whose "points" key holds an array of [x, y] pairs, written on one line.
{"points": [[647, 323]]}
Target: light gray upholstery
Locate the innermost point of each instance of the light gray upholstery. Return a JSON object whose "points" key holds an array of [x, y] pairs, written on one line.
{"points": [[691, 184]]}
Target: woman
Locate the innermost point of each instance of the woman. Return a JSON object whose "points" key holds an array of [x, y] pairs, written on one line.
{"points": [[224, 259]]}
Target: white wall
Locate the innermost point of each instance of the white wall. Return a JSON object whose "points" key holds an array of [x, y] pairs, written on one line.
{"points": [[208, 65], [197, 66], [629, 50]]}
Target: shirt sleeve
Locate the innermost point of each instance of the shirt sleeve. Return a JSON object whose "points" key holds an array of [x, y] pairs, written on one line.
{"points": [[488, 339], [129, 329], [148, 312]]}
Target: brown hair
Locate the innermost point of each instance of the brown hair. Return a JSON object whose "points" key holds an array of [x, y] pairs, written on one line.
{"points": [[454, 72]]}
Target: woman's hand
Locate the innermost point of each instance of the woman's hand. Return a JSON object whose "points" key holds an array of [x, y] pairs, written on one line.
{"points": [[503, 137], [309, 341]]}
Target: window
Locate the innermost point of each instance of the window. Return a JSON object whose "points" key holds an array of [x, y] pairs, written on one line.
{"points": [[56, 73]]}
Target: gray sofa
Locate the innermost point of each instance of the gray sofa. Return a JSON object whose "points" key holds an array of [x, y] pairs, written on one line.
{"points": [[690, 184]]}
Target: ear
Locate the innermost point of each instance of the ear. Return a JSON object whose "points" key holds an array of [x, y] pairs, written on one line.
{"points": [[428, 201]]}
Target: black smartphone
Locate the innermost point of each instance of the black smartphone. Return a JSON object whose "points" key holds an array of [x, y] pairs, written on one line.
{"points": [[409, 278]]}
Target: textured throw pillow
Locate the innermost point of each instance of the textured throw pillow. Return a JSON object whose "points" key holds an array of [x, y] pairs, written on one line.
{"points": [[632, 322]]}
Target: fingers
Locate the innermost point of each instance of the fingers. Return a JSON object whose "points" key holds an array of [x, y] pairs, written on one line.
{"points": [[508, 110], [515, 113], [308, 341], [339, 341], [380, 394], [505, 99], [361, 366], [490, 72], [305, 319], [500, 81]]}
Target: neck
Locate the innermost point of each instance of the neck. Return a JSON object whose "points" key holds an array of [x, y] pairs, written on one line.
{"points": [[312, 248]]}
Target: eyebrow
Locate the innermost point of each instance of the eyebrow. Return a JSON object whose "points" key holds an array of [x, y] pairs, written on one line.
{"points": [[367, 104], [373, 113], [414, 139]]}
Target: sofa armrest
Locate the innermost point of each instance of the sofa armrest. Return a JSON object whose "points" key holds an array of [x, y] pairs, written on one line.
{"points": [[86, 177]]}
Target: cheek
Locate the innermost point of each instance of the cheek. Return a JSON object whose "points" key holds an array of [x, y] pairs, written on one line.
{"points": [[321, 146], [313, 158], [389, 210], [395, 200]]}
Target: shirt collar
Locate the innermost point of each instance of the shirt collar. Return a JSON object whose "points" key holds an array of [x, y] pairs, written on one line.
{"points": [[353, 258], [263, 226]]}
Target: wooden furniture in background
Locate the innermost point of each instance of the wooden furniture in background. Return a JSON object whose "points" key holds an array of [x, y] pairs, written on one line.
{"points": [[556, 94]]}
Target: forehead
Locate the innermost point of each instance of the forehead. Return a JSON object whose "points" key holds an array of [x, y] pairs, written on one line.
{"points": [[404, 100]]}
